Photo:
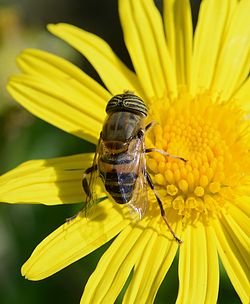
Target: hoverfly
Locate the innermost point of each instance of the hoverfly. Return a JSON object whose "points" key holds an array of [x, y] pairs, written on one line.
{"points": [[120, 157]]}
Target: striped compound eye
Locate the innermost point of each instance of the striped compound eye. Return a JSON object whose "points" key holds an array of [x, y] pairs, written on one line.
{"points": [[127, 102]]}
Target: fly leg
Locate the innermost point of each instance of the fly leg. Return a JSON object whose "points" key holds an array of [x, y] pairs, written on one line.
{"points": [[149, 126], [163, 214], [141, 132], [164, 153], [85, 184], [85, 187]]}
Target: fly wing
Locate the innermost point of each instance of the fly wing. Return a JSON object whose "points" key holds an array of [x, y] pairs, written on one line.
{"points": [[138, 204]]}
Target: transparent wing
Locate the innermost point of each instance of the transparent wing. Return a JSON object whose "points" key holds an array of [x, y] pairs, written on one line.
{"points": [[138, 205]]}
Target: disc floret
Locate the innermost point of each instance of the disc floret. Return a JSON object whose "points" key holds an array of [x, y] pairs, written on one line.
{"points": [[209, 135]]}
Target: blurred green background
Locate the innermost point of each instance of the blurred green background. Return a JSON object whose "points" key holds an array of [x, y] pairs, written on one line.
{"points": [[24, 137]]}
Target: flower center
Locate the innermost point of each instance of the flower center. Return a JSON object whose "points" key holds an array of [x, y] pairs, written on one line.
{"points": [[210, 136]]}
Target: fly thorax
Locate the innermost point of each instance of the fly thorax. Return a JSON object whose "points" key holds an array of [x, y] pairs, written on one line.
{"points": [[121, 126]]}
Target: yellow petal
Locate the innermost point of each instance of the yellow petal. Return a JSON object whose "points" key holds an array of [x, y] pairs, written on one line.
{"points": [[58, 103], [242, 96], [145, 40], [115, 75], [196, 279], [49, 182], [212, 268], [233, 63], [236, 267], [179, 33], [43, 64], [243, 203], [169, 26], [207, 42], [115, 265], [74, 240], [152, 267], [241, 218], [239, 237]]}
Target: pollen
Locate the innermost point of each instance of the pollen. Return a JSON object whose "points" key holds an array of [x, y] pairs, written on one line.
{"points": [[209, 154]]}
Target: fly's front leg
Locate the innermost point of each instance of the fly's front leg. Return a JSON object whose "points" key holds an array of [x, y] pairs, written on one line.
{"points": [[140, 134], [163, 214], [150, 125]]}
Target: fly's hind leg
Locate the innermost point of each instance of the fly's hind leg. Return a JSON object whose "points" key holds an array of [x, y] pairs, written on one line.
{"points": [[85, 187], [163, 214]]}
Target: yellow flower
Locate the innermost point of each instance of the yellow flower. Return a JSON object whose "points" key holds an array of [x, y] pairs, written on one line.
{"points": [[197, 90]]}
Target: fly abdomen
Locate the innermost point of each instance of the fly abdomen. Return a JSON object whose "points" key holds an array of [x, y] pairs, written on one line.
{"points": [[120, 177], [121, 194], [120, 185]]}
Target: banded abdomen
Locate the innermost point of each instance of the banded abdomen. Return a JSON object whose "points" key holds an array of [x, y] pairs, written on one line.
{"points": [[120, 185], [119, 173]]}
